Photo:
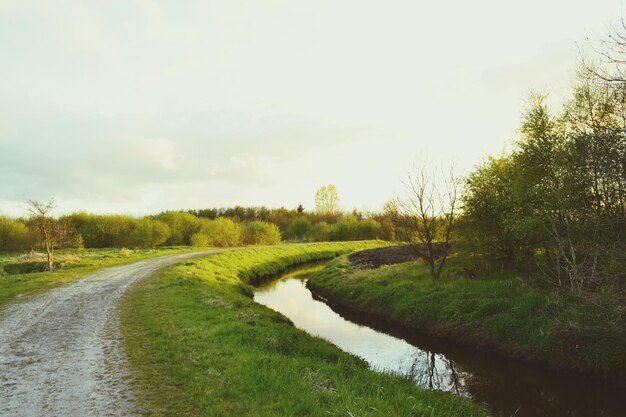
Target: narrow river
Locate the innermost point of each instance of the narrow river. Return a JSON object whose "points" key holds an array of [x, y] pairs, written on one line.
{"points": [[507, 387]]}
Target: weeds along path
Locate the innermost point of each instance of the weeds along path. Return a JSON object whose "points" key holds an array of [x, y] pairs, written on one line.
{"points": [[61, 353]]}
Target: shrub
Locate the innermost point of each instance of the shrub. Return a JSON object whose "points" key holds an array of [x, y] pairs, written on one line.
{"points": [[321, 232], [182, 226], [149, 233], [14, 235], [261, 233], [199, 240], [222, 232], [300, 228]]}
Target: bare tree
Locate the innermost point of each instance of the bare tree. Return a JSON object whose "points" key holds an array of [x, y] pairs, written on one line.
{"points": [[51, 230], [612, 53], [428, 216]]}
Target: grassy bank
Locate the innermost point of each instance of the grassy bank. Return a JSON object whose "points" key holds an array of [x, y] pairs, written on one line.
{"points": [[498, 312], [200, 346], [17, 280]]}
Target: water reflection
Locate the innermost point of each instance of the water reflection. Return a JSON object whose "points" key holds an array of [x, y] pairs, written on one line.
{"points": [[383, 352], [507, 387]]}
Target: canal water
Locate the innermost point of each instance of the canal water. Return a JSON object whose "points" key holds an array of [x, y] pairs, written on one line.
{"points": [[506, 387]]}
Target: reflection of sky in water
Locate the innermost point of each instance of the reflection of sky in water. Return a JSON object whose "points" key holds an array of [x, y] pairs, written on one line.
{"points": [[383, 352]]}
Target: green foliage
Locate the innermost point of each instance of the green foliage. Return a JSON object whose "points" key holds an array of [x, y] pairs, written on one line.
{"points": [[559, 200], [300, 229], [248, 225], [14, 235], [221, 232], [79, 242], [182, 226], [202, 347], [321, 232], [498, 310], [200, 240], [349, 228], [149, 233], [260, 233], [327, 200]]}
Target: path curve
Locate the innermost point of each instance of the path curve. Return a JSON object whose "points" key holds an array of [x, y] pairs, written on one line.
{"points": [[61, 353]]}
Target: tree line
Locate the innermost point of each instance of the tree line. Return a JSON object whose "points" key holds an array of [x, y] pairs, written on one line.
{"points": [[221, 227]]}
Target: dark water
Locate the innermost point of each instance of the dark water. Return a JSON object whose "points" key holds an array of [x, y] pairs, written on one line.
{"points": [[508, 388]]}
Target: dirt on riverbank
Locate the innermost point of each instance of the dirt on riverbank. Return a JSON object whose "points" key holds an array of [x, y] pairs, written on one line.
{"points": [[375, 258]]}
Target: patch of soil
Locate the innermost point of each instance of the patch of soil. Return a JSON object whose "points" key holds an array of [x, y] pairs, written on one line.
{"points": [[375, 258]]}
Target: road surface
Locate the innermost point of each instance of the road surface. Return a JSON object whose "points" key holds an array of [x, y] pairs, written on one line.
{"points": [[61, 353]]}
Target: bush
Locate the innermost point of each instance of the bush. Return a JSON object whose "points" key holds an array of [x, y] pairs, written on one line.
{"points": [[300, 229], [14, 235], [368, 229], [149, 233], [261, 233], [344, 229], [321, 232], [221, 232], [182, 226], [199, 240]]}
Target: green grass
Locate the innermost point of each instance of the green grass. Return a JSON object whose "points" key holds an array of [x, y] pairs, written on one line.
{"points": [[199, 345], [498, 311], [72, 265]]}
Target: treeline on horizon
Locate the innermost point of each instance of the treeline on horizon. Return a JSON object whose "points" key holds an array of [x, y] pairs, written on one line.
{"points": [[221, 227]]}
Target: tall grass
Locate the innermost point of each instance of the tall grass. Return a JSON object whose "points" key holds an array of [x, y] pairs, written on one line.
{"points": [[498, 311], [200, 346]]}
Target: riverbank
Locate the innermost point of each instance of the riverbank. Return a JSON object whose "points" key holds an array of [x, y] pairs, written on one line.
{"points": [[497, 312], [200, 346]]}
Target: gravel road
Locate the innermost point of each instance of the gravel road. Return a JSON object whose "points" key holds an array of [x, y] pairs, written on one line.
{"points": [[61, 353]]}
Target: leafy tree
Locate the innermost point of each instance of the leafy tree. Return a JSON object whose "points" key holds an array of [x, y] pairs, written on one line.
{"points": [[327, 200]]}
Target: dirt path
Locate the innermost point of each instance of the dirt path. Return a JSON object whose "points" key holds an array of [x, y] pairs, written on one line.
{"points": [[61, 353]]}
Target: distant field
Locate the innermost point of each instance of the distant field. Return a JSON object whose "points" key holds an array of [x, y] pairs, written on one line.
{"points": [[17, 278]]}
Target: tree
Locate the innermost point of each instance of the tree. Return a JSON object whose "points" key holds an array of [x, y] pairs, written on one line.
{"points": [[327, 200], [299, 229], [52, 232], [612, 52], [428, 214]]}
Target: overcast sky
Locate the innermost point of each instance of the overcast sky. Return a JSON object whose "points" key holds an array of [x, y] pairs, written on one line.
{"points": [[140, 106]]}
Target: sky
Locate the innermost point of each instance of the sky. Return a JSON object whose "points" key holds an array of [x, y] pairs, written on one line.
{"points": [[142, 106]]}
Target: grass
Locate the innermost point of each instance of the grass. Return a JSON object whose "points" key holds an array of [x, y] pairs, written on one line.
{"points": [[16, 281], [199, 345], [498, 311]]}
